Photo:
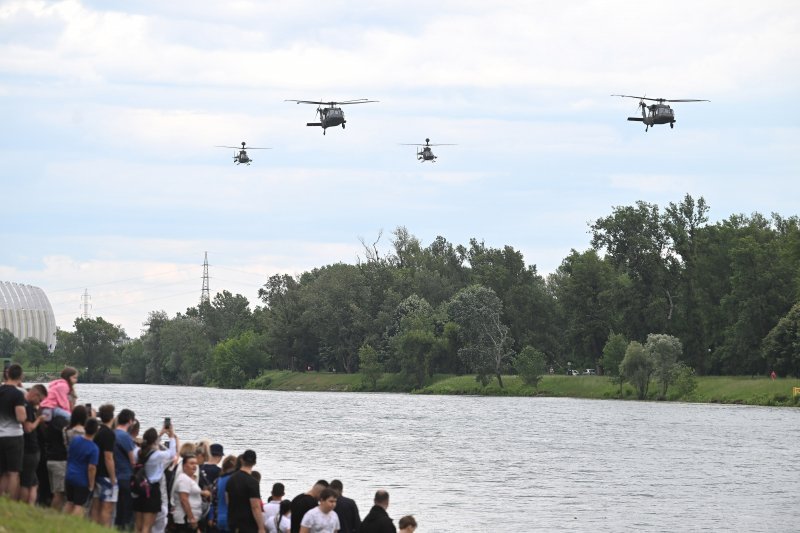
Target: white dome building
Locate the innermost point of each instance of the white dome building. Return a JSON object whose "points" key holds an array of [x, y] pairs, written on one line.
{"points": [[26, 312]]}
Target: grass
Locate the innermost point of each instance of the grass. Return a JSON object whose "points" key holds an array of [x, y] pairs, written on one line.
{"points": [[725, 389], [16, 517]]}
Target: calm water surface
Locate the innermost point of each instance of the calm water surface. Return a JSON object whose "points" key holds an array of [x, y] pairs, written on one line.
{"points": [[505, 464]]}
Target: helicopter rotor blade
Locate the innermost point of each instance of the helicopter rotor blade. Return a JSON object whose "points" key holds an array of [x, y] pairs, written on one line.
{"points": [[659, 99], [334, 103], [686, 100], [359, 101]]}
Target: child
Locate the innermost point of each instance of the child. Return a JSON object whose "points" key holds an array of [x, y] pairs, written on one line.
{"points": [[61, 395]]}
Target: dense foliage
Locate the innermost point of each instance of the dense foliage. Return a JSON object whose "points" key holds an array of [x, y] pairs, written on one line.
{"points": [[724, 292]]}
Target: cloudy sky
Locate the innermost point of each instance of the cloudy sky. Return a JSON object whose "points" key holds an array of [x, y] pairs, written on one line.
{"points": [[110, 181]]}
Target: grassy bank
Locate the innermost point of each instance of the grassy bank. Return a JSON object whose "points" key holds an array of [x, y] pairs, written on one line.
{"points": [[16, 517], [727, 389]]}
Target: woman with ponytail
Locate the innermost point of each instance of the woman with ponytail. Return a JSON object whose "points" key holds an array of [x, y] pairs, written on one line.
{"points": [[154, 459]]}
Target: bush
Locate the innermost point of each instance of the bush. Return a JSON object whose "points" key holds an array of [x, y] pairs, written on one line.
{"points": [[263, 381], [685, 383], [530, 365]]}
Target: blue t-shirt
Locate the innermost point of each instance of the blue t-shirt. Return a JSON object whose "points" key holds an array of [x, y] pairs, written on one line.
{"points": [[122, 461], [81, 454], [222, 505]]}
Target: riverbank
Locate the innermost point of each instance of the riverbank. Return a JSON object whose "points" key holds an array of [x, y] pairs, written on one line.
{"points": [[710, 389], [15, 516]]}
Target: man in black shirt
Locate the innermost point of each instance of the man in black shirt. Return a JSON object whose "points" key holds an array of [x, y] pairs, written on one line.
{"points": [[244, 498], [30, 459], [106, 490], [378, 521], [56, 454], [346, 509], [303, 503], [12, 415]]}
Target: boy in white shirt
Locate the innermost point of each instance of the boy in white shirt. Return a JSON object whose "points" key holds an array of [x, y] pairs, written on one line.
{"points": [[322, 519]]}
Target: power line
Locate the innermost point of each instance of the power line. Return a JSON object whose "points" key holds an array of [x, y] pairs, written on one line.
{"points": [[121, 280]]}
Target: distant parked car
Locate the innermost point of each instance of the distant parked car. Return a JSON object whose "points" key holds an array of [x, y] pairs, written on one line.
{"points": [[589, 372], [573, 373]]}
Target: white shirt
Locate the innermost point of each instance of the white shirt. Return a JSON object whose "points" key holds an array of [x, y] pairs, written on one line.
{"points": [[318, 522], [286, 525], [271, 508], [186, 484]]}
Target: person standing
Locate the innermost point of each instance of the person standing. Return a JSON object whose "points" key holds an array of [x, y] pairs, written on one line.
{"points": [[302, 503], [273, 505], [56, 452], [124, 460], [12, 445], [378, 521], [322, 519], [106, 490], [187, 496], [211, 468], [407, 524], [81, 474], [281, 521], [244, 498], [346, 509], [146, 507], [28, 480]]}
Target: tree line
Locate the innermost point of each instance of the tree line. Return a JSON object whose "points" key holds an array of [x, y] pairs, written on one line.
{"points": [[727, 292]]}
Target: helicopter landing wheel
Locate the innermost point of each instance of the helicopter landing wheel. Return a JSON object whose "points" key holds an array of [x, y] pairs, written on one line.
{"points": [[323, 132], [671, 125], [342, 126]]}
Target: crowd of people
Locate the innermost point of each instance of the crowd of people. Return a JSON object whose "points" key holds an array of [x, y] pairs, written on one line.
{"points": [[93, 463]]}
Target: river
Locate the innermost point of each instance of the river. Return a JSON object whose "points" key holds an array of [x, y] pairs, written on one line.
{"points": [[489, 464]]}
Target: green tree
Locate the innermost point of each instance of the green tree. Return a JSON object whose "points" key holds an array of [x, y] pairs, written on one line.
{"points": [[587, 290], [636, 241], [781, 346], [637, 368], [133, 363], [664, 351], [685, 382], [33, 351], [8, 343], [486, 345], [151, 343], [185, 351], [287, 335], [613, 353], [530, 364], [336, 312], [238, 359], [227, 315], [369, 365], [93, 346]]}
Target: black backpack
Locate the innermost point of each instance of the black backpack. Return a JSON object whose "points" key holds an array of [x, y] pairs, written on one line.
{"points": [[140, 485]]}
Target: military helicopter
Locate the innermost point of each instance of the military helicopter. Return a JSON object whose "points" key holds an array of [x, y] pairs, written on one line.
{"points": [[659, 113], [331, 115], [242, 156], [426, 154]]}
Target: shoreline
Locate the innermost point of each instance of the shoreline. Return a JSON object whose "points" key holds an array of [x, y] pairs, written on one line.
{"points": [[736, 390]]}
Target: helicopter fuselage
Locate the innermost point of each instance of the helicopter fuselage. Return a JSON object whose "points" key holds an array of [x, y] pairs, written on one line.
{"points": [[242, 158], [329, 117], [426, 154], [658, 114]]}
